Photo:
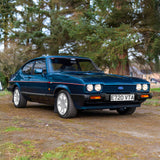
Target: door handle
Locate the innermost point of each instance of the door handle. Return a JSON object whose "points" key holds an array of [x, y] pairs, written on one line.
{"points": [[29, 77]]}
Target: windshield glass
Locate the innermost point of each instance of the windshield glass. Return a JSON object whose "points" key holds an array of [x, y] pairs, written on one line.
{"points": [[72, 64]]}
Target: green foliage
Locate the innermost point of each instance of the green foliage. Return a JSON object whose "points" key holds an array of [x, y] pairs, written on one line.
{"points": [[7, 10], [5, 92], [105, 41], [3, 79], [149, 28], [105, 31]]}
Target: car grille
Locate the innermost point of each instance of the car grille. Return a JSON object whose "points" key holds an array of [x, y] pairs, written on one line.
{"points": [[114, 89]]}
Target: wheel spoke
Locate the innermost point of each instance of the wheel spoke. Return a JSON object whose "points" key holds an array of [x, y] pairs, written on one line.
{"points": [[16, 97], [62, 103]]}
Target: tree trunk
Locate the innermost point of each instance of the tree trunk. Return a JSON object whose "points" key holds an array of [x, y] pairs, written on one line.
{"points": [[6, 33], [122, 67]]}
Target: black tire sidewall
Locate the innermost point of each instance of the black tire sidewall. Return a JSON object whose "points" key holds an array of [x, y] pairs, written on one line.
{"points": [[71, 110], [127, 111], [22, 100]]}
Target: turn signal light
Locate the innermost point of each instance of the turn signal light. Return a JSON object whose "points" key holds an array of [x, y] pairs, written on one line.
{"points": [[145, 96], [95, 97]]}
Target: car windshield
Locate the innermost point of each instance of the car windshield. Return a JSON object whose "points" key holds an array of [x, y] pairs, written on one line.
{"points": [[72, 64]]}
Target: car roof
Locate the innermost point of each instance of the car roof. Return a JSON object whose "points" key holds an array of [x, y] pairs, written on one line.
{"points": [[76, 57], [47, 56]]}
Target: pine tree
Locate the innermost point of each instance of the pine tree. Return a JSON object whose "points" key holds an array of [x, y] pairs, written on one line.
{"points": [[120, 20], [149, 28], [30, 26], [110, 30], [7, 9], [60, 13], [104, 33]]}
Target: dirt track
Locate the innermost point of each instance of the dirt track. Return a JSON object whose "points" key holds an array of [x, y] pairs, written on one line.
{"points": [[124, 137]]}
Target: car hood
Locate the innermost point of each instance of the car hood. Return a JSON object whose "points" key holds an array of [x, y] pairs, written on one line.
{"points": [[106, 78]]}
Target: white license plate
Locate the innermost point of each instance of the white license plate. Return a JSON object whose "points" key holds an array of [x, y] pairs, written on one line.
{"points": [[122, 97]]}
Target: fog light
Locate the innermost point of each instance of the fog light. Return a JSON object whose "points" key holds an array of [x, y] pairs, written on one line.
{"points": [[145, 96], [95, 97]]}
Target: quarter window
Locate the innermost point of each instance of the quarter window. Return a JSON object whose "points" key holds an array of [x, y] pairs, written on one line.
{"points": [[40, 64], [27, 69]]}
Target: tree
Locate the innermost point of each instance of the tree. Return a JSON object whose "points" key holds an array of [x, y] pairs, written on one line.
{"points": [[149, 28], [110, 30], [7, 9], [30, 24], [12, 59], [104, 33], [60, 13]]}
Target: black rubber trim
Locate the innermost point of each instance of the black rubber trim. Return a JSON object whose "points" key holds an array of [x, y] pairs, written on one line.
{"points": [[37, 94]]}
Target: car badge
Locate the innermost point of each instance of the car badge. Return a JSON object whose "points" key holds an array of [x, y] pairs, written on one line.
{"points": [[120, 87]]}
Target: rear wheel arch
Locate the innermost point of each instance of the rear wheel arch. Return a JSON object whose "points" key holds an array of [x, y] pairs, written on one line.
{"points": [[16, 85]]}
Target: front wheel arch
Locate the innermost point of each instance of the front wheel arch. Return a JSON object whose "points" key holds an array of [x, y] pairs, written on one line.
{"points": [[61, 87]]}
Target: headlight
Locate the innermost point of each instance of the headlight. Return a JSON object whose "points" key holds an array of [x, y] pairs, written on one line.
{"points": [[89, 87], [138, 87], [98, 87], [145, 87]]}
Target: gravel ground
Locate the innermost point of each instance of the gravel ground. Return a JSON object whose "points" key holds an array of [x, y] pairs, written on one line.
{"points": [[36, 130]]}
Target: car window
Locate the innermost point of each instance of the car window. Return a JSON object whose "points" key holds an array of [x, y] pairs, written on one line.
{"points": [[62, 64], [65, 64], [86, 65], [40, 64], [27, 69]]}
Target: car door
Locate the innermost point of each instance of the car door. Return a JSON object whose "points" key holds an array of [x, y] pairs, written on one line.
{"points": [[25, 76], [40, 85]]}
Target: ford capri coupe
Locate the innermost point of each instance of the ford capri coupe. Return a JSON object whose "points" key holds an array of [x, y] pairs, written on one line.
{"points": [[73, 84]]}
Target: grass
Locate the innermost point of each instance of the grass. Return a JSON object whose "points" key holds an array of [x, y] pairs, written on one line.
{"points": [[28, 150], [155, 89], [11, 129], [25, 150], [155, 101], [154, 104], [85, 151], [4, 93]]}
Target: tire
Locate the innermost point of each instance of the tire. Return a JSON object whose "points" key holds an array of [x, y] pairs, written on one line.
{"points": [[18, 99], [126, 110], [64, 105]]}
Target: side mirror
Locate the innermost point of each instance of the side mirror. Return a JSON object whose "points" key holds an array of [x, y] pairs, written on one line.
{"points": [[38, 71]]}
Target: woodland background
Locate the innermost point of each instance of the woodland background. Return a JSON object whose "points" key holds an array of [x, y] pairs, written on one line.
{"points": [[114, 33]]}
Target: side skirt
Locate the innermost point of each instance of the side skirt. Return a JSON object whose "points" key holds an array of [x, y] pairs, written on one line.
{"points": [[40, 98]]}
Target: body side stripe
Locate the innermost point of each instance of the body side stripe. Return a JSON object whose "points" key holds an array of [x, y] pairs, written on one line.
{"points": [[46, 82]]}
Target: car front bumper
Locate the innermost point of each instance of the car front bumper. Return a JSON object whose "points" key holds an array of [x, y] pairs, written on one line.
{"points": [[84, 101]]}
